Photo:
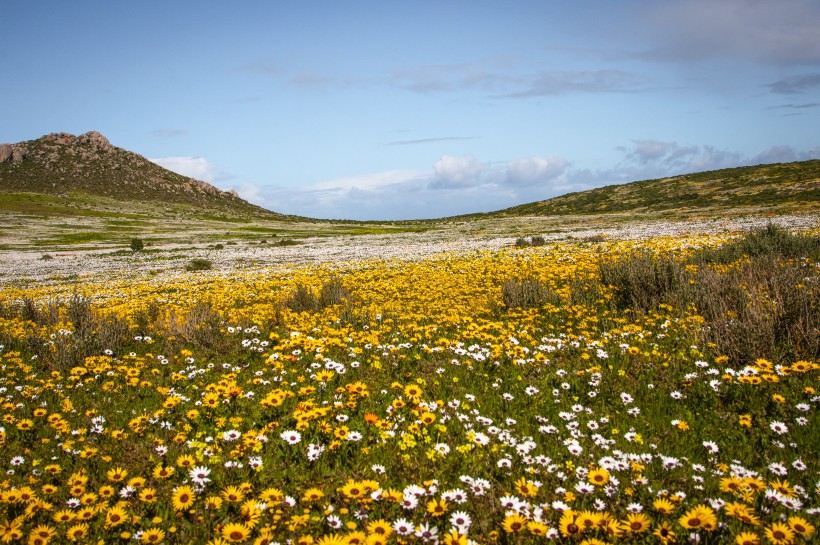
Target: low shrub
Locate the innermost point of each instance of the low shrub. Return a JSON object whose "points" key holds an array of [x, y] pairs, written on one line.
{"points": [[527, 293], [199, 264]]}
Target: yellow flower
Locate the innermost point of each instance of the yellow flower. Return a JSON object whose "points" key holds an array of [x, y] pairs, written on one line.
{"points": [[567, 525], [78, 531], [636, 523], [116, 474], [182, 498], [779, 534], [235, 533], [514, 523], [232, 494], [699, 517], [747, 538], [599, 476], [152, 535], [663, 531], [801, 526], [437, 508], [380, 527], [312, 494], [663, 506], [115, 516]]}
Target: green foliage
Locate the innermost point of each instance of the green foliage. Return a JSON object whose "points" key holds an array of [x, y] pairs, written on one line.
{"points": [[527, 293], [137, 244], [303, 298], [751, 292], [772, 240], [199, 264]]}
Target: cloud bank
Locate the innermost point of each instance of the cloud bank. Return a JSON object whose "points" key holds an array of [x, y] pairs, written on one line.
{"points": [[463, 184]]}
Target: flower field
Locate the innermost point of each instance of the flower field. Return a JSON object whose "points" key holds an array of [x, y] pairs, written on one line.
{"points": [[509, 396]]}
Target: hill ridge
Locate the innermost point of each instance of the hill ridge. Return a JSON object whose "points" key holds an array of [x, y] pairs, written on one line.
{"points": [[61, 163], [792, 184]]}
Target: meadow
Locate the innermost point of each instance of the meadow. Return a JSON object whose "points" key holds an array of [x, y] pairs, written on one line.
{"points": [[583, 391]]}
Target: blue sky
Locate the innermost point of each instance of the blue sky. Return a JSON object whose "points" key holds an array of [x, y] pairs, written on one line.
{"points": [[383, 110]]}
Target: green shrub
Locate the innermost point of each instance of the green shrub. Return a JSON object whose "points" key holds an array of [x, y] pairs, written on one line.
{"points": [[199, 264], [302, 300], [771, 240], [137, 244], [527, 293], [644, 280], [333, 292]]}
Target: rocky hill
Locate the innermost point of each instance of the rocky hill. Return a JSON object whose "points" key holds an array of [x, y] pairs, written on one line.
{"points": [[64, 165]]}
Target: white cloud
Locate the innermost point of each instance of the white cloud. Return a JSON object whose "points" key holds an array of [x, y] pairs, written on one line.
{"points": [[535, 170], [461, 171], [193, 167], [664, 158], [454, 185]]}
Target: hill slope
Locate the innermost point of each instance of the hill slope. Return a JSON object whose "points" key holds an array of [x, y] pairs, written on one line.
{"points": [[61, 165], [796, 185]]}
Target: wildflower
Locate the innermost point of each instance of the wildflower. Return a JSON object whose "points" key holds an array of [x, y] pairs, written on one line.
{"points": [[291, 437], [76, 532], [115, 516], [567, 525], [663, 506], [235, 533], [152, 535], [747, 538], [598, 477], [801, 527], [636, 523], [514, 523], [437, 508], [402, 527], [699, 517], [779, 534], [778, 427], [664, 532], [461, 520], [182, 498]]}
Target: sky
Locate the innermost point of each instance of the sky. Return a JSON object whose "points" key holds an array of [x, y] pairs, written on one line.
{"points": [[411, 110]]}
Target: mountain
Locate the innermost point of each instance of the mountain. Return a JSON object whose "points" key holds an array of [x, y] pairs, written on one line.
{"points": [[61, 165], [793, 186]]}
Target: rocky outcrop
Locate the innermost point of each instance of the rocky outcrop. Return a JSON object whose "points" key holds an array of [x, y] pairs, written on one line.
{"points": [[95, 140], [12, 153]]}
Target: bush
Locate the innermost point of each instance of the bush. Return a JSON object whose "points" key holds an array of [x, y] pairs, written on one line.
{"points": [[755, 294], [527, 293], [535, 240], [644, 280], [199, 264], [772, 240], [137, 244], [333, 292], [303, 298]]}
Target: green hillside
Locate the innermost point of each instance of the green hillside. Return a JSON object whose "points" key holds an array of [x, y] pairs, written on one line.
{"points": [[796, 185]]}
